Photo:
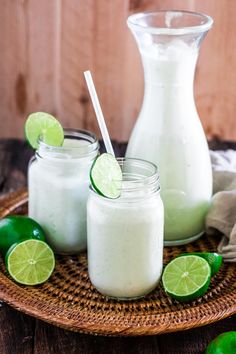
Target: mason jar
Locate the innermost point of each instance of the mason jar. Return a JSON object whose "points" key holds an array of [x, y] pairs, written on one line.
{"points": [[125, 235], [58, 181]]}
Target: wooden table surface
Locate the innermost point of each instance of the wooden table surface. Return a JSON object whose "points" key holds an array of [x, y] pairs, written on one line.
{"points": [[22, 334]]}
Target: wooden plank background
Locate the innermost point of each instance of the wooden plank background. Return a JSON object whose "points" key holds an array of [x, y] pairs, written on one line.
{"points": [[46, 45]]}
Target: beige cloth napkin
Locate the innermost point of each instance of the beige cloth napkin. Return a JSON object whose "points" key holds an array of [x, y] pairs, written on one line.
{"points": [[221, 217]]}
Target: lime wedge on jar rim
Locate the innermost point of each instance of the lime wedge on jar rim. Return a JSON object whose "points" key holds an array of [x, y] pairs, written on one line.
{"points": [[187, 277], [106, 176], [45, 126], [30, 262]]}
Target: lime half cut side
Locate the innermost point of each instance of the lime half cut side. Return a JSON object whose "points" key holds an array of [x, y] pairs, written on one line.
{"points": [[214, 260], [186, 278], [106, 176], [45, 126], [30, 262]]}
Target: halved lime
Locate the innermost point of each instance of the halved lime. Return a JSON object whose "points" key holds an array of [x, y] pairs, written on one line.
{"points": [[30, 262], [186, 278], [214, 260], [43, 125], [106, 176]]}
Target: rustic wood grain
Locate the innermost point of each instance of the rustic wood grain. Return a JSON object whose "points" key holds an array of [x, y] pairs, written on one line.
{"points": [[14, 158], [22, 334], [16, 332], [46, 46], [194, 341], [51, 340], [27, 61], [75, 56]]}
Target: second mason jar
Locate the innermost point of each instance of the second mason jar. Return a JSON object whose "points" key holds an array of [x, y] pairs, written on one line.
{"points": [[58, 181], [125, 235]]}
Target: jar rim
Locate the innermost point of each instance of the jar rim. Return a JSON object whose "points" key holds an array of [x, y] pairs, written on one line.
{"points": [[139, 181], [76, 134], [136, 22], [122, 160]]}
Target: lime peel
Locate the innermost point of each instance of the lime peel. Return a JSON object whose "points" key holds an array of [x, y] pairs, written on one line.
{"points": [[17, 228], [106, 176]]}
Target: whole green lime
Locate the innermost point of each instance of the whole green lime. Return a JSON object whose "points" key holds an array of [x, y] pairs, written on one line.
{"points": [[16, 228], [225, 343]]}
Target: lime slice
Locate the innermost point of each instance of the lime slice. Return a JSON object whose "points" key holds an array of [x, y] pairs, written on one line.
{"points": [[43, 125], [30, 262], [225, 343], [214, 260], [186, 278], [106, 176]]}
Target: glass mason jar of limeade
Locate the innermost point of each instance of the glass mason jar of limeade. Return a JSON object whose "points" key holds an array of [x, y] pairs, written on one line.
{"points": [[58, 180], [168, 131], [125, 235]]}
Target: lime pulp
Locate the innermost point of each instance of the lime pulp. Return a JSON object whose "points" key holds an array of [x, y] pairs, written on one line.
{"points": [[214, 260], [30, 262], [187, 277], [44, 126]]}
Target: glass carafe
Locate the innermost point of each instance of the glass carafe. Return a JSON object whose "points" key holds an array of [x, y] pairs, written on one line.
{"points": [[168, 131]]}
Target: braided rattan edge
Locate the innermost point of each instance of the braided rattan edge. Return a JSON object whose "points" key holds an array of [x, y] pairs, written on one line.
{"points": [[159, 323]]}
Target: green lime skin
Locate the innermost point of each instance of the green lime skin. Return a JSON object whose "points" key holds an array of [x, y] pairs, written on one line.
{"points": [[214, 259], [16, 228], [106, 176], [225, 343], [91, 178]]}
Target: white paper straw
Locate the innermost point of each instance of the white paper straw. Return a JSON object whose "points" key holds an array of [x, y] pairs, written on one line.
{"points": [[98, 111]]}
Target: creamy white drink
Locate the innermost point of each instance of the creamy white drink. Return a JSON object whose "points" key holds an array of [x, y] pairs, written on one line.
{"points": [[168, 131], [125, 235], [58, 181]]}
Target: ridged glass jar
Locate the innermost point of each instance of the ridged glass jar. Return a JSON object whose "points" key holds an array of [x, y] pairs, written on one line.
{"points": [[58, 179], [125, 235]]}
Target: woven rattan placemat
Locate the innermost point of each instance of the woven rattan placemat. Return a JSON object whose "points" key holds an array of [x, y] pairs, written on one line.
{"points": [[69, 300]]}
